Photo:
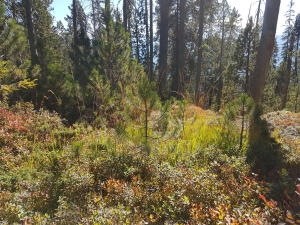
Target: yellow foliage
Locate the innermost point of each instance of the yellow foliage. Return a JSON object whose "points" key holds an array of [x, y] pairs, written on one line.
{"points": [[12, 78]]}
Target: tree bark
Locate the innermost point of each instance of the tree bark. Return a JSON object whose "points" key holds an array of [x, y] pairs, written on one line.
{"points": [[297, 30], [94, 18], [74, 22], [163, 47], [200, 53], [247, 74], [137, 42], [220, 79], [258, 12], [28, 9], [151, 41], [147, 37], [181, 47], [257, 82], [125, 17], [296, 75]]}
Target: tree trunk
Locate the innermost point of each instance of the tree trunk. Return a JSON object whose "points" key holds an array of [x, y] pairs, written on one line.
{"points": [[151, 41], [200, 53], [181, 47], [147, 37], [258, 12], [163, 47], [28, 9], [125, 17], [137, 42], [266, 46], [247, 75], [296, 75], [220, 79], [94, 19], [13, 9], [175, 76], [74, 22], [288, 73]]}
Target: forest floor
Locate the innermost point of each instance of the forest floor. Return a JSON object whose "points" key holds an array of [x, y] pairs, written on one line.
{"points": [[192, 173]]}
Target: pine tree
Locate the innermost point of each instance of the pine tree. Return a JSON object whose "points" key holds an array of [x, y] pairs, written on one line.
{"points": [[116, 73], [200, 53], [296, 77], [81, 45], [287, 52], [14, 62]]}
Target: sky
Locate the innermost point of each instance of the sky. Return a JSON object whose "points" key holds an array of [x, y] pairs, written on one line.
{"points": [[243, 6]]}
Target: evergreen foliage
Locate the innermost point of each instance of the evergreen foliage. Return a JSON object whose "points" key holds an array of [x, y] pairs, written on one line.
{"points": [[14, 63]]}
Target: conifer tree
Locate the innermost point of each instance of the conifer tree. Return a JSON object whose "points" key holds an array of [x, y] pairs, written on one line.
{"points": [[163, 47], [14, 63], [296, 77], [287, 54]]}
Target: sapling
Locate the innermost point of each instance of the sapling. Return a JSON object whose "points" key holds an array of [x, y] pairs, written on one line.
{"points": [[241, 107], [145, 100]]}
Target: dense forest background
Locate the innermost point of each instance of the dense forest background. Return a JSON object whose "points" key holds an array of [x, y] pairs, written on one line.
{"points": [[192, 50]]}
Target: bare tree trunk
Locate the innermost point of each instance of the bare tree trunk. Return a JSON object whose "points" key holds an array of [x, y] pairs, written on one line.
{"points": [[181, 47], [74, 22], [175, 77], [288, 73], [220, 79], [147, 36], [247, 72], [296, 74], [125, 16], [28, 9], [266, 46], [13, 8], [151, 41], [247, 75], [200, 52], [94, 17], [137, 42], [258, 12], [163, 47]]}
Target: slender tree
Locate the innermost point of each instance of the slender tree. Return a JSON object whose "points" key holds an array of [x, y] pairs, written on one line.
{"points": [[297, 34], [151, 41], [125, 14], [163, 47], [287, 54], [74, 13], [265, 49], [31, 39], [181, 49], [287, 76], [146, 22], [200, 52], [258, 12], [221, 65]]}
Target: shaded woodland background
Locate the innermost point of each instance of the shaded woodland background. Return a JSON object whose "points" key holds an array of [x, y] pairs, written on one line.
{"points": [[193, 50]]}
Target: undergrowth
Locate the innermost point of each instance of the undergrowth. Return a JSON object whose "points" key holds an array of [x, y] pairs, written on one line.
{"points": [[194, 173]]}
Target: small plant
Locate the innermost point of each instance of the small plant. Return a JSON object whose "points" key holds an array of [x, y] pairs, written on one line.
{"points": [[145, 101], [241, 108]]}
